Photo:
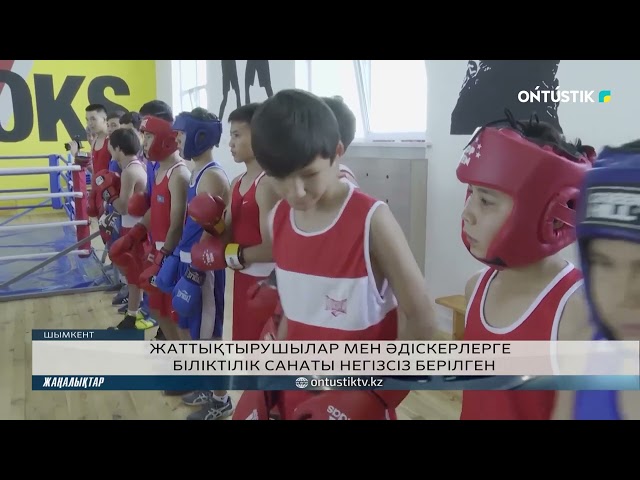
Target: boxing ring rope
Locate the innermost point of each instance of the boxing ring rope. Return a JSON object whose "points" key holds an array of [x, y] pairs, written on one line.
{"points": [[67, 190]]}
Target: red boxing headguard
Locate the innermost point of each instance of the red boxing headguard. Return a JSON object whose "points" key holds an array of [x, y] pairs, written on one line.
{"points": [[164, 142], [544, 183]]}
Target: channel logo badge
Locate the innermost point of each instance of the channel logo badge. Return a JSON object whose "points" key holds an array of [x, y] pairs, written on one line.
{"points": [[604, 96]]}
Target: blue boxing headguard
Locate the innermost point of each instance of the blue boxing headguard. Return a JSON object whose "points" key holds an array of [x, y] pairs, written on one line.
{"points": [[609, 208], [200, 135]]}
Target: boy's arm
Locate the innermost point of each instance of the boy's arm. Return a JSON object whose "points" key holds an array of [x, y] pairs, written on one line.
{"points": [[128, 181], [266, 198], [227, 235], [215, 184], [178, 184], [391, 253]]}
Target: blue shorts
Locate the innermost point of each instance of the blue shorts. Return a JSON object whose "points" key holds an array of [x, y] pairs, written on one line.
{"points": [[209, 323]]}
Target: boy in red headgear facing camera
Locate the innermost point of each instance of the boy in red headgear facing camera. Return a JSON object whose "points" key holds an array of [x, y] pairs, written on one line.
{"points": [[163, 220], [524, 180]]}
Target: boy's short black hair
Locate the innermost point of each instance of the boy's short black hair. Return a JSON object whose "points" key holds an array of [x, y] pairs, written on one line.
{"points": [[244, 113], [290, 130], [131, 118], [96, 107], [345, 117], [544, 133], [126, 140], [200, 113], [157, 108], [117, 114]]}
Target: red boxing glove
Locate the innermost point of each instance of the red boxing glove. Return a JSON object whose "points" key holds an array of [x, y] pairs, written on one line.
{"points": [[255, 405], [208, 212], [208, 254], [107, 185], [138, 204], [262, 300], [94, 205], [147, 279], [343, 405], [126, 250]]}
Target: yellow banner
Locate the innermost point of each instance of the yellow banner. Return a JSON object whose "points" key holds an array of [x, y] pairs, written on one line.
{"points": [[42, 106]]}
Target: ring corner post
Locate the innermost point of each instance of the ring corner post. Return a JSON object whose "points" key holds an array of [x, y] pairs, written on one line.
{"points": [[54, 182], [81, 213]]}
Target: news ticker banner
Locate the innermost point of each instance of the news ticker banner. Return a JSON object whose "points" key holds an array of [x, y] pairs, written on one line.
{"points": [[123, 360]]}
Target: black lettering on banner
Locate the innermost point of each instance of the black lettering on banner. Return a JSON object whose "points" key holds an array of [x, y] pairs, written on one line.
{"points": [[98, 86], [52, 108], [22, 111]]}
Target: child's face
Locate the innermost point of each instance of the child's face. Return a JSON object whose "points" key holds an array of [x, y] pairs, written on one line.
{"points": [[96, 122], [112, 125], [614, 267], [147, 141], [131, 127], [483, 216], [180, 140], [303, 189], [240, 142], [115, 153]]}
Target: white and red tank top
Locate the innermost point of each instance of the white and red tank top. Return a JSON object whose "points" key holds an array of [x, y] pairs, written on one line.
{"points": [[129, 221], [325, 279], [540, 322]]}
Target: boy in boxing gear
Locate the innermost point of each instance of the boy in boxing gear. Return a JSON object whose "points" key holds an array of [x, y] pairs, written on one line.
{"points": [[337, 248], [165, 218], [159, 109], [608, 234], [198, 295], [523, 182], [130, 120], [124, 146], [258, 306], [247, 249]]}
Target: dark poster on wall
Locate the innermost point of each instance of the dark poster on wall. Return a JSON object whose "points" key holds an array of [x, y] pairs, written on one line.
{"points": [[490, 86], [254, 68]]}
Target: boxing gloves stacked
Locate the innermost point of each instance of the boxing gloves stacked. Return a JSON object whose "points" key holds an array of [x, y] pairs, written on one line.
{"points": [[105, 187], [208, 212], [130, 250]]}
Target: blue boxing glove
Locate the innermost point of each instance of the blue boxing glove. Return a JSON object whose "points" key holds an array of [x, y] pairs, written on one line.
{"points": [[169, 274], [187, 296]]}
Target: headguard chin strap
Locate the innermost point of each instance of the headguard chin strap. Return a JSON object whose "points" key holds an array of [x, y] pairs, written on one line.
{"points": [[200, 135], [542, 179], [609, 208]]}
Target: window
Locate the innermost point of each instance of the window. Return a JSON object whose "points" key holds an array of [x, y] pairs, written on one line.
{"points": [[337, 77], [388, 97], [398, 98], [191, 78]]}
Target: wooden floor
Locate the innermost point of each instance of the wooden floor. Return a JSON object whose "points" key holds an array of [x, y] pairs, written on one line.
{"points": [[94, 310]]}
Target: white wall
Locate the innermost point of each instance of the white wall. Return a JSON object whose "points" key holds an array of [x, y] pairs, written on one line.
{"points": [[448, 265], [282, 76]]}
